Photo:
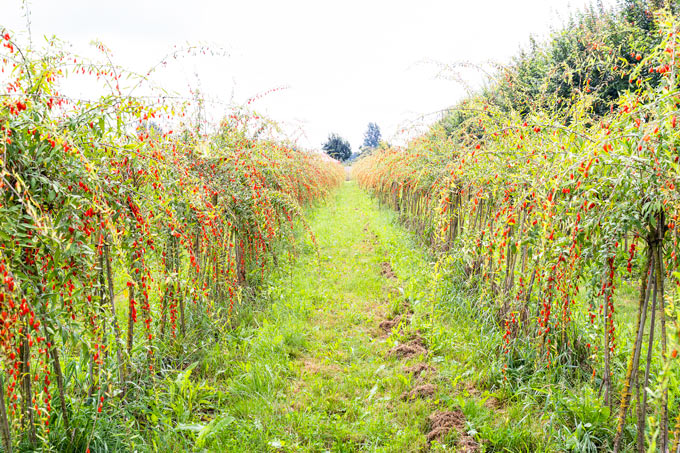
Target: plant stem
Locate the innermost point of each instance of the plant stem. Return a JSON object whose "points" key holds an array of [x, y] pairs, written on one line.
{"points": [[642, 422], [116, 328], [633, 361], [4, 423], [662, 313]]}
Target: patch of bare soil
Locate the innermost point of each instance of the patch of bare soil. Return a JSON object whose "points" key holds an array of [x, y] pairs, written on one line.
{"points": [[386, 270], [313, 366], [422, 391], [443, 422], [409, 349], [419, 369], [406, 309], [493, 403], [390, 324], [417, 339], [468, 387]]}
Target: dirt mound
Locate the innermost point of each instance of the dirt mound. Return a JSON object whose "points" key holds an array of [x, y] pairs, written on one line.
{"points": [[409, 349], [493, 403], [390, 324], [386, 270], [403, 317], [417, 340], [421, 391], [443, 422], [418, 369], [468, 388]]}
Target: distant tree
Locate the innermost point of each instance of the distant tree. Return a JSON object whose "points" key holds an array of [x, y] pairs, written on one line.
{"points": [[337, 147], [372, 136], [153, 126]]}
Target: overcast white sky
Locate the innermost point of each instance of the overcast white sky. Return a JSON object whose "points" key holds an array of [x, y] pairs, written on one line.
{"points": [[345, 63]]}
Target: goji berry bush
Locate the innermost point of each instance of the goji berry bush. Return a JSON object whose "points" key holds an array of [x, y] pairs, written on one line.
{"points": [[124, 224], [546, 207]]}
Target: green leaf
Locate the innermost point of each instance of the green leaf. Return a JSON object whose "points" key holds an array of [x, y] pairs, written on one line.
{"points": [[195, 427]]}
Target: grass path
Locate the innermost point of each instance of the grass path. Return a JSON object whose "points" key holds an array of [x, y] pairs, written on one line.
{"points": [[314, 368], [317, 373]]}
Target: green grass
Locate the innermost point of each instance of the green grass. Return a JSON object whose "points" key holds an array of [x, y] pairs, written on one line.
{"points": [[306, 367], [314, 374], [310, 370]]}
